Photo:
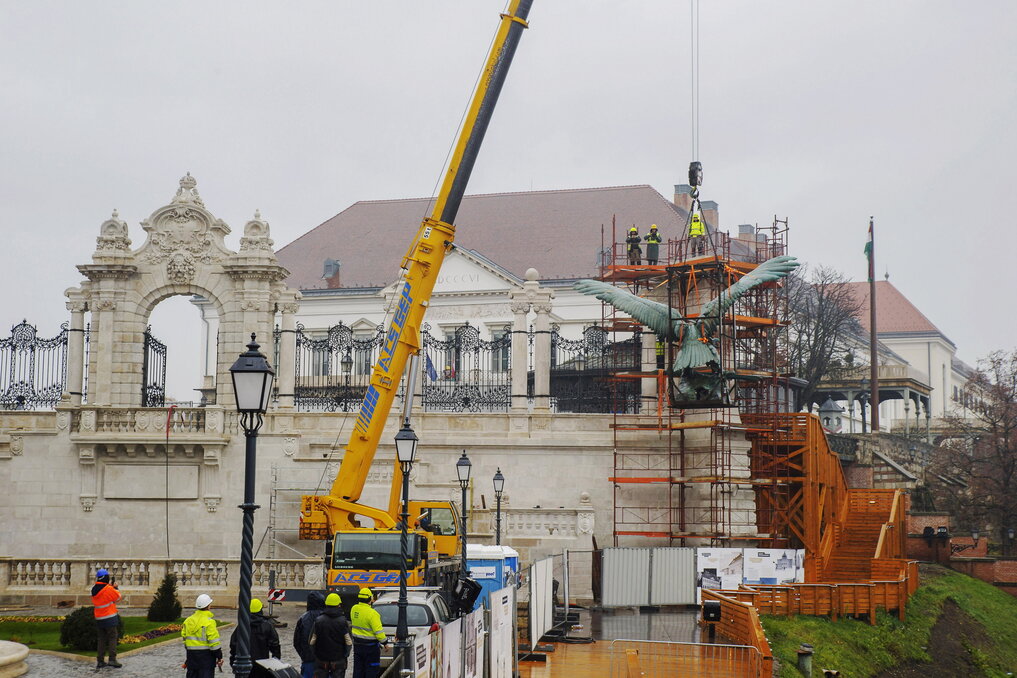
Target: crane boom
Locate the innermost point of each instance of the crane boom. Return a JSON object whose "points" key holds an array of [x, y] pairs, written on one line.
{"points": [[322, 515]]}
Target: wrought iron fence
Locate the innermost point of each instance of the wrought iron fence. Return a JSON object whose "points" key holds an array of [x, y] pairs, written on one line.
{"points": [[464, 373], [153, 387], [33, 371], [584, 372], [333, 370]]}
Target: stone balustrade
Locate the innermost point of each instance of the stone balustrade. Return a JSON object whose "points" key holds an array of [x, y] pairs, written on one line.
{"points": [[49, 581]]}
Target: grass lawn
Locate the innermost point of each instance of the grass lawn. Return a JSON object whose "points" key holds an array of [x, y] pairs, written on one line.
{"points": [[858, 649], [45, 635]]}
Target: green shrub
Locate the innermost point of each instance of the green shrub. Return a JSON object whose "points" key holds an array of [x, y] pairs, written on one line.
{"points": [[78, 630], [165, 607]]}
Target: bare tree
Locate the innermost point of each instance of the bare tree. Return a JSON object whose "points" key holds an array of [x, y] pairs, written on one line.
{"points": [[974, 471], [823, 316]]}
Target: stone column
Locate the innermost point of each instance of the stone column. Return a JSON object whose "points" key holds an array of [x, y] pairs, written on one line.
{"points": [[648, 389], [287, 367], [101, 358], [542, 355], [520, 353], [75, 350]]}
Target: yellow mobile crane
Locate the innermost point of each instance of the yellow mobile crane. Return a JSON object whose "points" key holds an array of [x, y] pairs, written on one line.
{"points": [[369, 556]]}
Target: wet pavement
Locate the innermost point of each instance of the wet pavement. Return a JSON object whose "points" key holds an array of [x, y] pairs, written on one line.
{"points": [[159, 660]]}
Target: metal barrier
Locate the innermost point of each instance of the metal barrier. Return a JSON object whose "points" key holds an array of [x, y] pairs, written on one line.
{"points": [[661, 659]]}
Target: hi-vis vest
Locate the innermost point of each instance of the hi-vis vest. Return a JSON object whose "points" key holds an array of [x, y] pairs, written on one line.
{"points": [[696, 228], [199, 631], [366, 623], [653, 238], [105, 602]]}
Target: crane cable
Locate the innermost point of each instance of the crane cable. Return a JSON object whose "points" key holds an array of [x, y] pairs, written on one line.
{"points": [[694, 79]]}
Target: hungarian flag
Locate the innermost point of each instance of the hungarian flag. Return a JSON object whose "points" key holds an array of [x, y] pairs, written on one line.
{"points": [[868, 250]]}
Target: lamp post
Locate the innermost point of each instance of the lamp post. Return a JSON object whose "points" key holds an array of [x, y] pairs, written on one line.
{"points": [[463, 467], [406, 451], [499, 487], [1009, 540], [347, 367], [252, 387]]}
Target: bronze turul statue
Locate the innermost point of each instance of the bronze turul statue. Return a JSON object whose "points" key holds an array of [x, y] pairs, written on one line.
{"points": [[698, 361]]}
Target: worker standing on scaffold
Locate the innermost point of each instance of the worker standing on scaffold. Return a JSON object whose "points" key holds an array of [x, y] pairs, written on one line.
{"points": [[697, 235], [634, 249], [653, 241]]}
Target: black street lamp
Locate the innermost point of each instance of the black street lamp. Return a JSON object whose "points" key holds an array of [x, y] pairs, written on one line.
{"points": [[252, 387], [347, 367], [463, 467], [499, 487], [1009, 540], [406, 452]]}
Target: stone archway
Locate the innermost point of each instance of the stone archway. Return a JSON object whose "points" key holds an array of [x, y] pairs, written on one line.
{"points": [[184, 254]]}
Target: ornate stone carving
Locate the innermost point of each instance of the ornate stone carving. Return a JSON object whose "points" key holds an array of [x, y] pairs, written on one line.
{"points": [[584, 522], [520, 306], [188, 192], [63, 420], [289, 446], [213, 421], [256, 233], [141, 421], [87, 503], [312, 577], [88, 421], [17, 445], [77, 306], [104, 305], [253, 305], [113, 235], [212, 503], [180, 269], [542, 307], [86, 454], [289, 307]]}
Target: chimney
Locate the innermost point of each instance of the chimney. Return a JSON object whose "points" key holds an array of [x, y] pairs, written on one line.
{"points": [[683, 196], [331, 274], [710, 214], [746, 232]]}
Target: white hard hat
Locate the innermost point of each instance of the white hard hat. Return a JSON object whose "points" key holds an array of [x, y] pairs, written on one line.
{"points": [[203, 601]]}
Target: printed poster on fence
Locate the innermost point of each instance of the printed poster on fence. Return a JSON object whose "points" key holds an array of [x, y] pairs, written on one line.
{"points": [[718, 569], [770, 566]]}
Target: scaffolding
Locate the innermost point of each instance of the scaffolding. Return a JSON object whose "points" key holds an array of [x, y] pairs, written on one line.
{"points": [[683, 469]]}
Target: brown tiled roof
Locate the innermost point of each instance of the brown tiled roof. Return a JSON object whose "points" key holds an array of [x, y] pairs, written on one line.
{"points": [[556, 232], [894, 313]]}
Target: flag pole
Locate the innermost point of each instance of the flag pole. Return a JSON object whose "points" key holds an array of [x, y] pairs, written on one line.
{"points": [[873, 357]]}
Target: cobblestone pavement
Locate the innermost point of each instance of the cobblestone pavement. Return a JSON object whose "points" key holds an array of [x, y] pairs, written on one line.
{"points": [[160, 660]]}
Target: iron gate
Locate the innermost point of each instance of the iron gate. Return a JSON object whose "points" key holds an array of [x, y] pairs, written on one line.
{"points": [[584, 372], [334, 370], [33, 371], [464, 373], [153, 370]]}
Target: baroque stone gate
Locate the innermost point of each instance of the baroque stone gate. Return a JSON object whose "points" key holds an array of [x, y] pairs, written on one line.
{"points": [[184, 254]]}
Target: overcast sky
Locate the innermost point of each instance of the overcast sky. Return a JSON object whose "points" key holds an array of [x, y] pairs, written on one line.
{"points": [[821, 112]]}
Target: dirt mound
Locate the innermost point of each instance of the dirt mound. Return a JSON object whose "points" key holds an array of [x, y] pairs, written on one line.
{"points": [[952, 635]]}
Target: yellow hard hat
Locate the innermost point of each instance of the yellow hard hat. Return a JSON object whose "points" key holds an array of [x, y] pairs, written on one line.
{"points": [[255, 605], [365, 594], [653, 226], [633, 230], [695, 217], [332, 600]]}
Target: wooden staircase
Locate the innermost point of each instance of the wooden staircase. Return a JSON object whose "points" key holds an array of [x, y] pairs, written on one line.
{"points": [[858, 536]]}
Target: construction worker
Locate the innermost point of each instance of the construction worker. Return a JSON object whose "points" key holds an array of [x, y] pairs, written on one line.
{"points": [[104, 600], [653, 241], [633, 248], [697, 235], [367, 636], [264, 641], [302, 633], [331, 640], [201, 640]]}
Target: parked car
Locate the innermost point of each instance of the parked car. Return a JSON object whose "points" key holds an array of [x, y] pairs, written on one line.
{"points": [[426, 610]]}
